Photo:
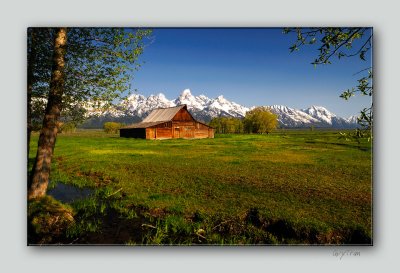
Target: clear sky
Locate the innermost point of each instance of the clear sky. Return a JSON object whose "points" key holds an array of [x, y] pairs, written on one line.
{"points": [[248, 66]]}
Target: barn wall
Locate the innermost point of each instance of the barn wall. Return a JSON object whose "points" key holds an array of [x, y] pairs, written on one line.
{"points": [[150, 133], [183, 123], [201, 126], [183, 115], [187, 132], [167, 124], [163, 133], [201, 133], [191, 129], [158, 133], [133, 132]]}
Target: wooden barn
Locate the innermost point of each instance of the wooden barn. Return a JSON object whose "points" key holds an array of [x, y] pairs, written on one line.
{"points": [[164, 123]]}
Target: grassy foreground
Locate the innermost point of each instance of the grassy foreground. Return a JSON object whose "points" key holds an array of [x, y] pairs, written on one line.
{"points": [[290, 187]]}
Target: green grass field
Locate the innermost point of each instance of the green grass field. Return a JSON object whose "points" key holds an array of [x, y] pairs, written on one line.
{"points": [[290, 187]]}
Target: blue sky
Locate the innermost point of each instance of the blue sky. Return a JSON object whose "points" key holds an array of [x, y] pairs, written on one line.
{"points": [[247, 66]]}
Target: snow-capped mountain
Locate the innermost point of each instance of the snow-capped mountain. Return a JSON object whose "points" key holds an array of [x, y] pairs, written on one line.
{"points": [[328, 119], [136, 107], [352, 119], [191, 101], [140, 106], [320, 113], [289, 117], [317, 116], [201, 107], [204, 108]]}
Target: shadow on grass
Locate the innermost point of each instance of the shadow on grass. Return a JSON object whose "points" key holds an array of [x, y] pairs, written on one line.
{"points": [[347, 145], [108, 222]]}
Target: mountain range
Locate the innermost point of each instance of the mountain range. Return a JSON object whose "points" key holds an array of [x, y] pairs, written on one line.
{"points": [[136, 107]]}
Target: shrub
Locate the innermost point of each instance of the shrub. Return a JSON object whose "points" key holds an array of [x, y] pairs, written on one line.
{"points": [[112, 127], [260, 120], [67, 127]]}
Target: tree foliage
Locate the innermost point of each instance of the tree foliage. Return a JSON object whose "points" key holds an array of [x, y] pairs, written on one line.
{"points": [[40, 48], [225, 125], [337, 43], [112, 127], [98, 70], [67, 127], [260, 120]]}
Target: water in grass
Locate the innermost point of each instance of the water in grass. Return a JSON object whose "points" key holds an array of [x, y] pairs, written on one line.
{"points": [[68, 193]]}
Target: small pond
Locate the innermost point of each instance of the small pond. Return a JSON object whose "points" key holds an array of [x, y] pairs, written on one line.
{"points": [[68, 193]]}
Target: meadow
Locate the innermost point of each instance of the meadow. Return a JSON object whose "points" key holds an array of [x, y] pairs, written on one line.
{"points": [[287, 187]]}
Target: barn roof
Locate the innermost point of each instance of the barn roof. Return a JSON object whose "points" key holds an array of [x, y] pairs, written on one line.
{"points": [[142, 125], [157, 116], [163, 114]]}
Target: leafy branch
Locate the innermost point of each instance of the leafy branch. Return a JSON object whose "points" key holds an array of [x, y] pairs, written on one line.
{"points": [[339, 43]]}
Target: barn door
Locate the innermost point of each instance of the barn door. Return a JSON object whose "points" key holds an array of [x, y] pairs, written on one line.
{"points": [[151, 133], [177, 132]]}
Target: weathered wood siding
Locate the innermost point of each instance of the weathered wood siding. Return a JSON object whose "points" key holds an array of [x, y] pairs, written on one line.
{"points": [[160, 131], [183, 115], [150, 133], [183, 123], [167, 124], [163, 133], [203, 131], [187, 132]]}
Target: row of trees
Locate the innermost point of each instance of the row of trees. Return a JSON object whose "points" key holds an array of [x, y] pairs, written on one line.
{"points": [[67, 67], [259, 120], [224, 125]]}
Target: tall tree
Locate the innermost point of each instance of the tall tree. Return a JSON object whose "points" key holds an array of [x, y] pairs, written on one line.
{"points": [[341, 43], [98, 66], [47, 139], [260, 120]]}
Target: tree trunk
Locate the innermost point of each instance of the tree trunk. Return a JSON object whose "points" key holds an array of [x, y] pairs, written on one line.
{"points": [[31, 62], [48, 134]]}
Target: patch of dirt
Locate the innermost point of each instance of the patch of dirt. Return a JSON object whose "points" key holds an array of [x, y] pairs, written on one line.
{"points": [[158, 212], [99, 178]]}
